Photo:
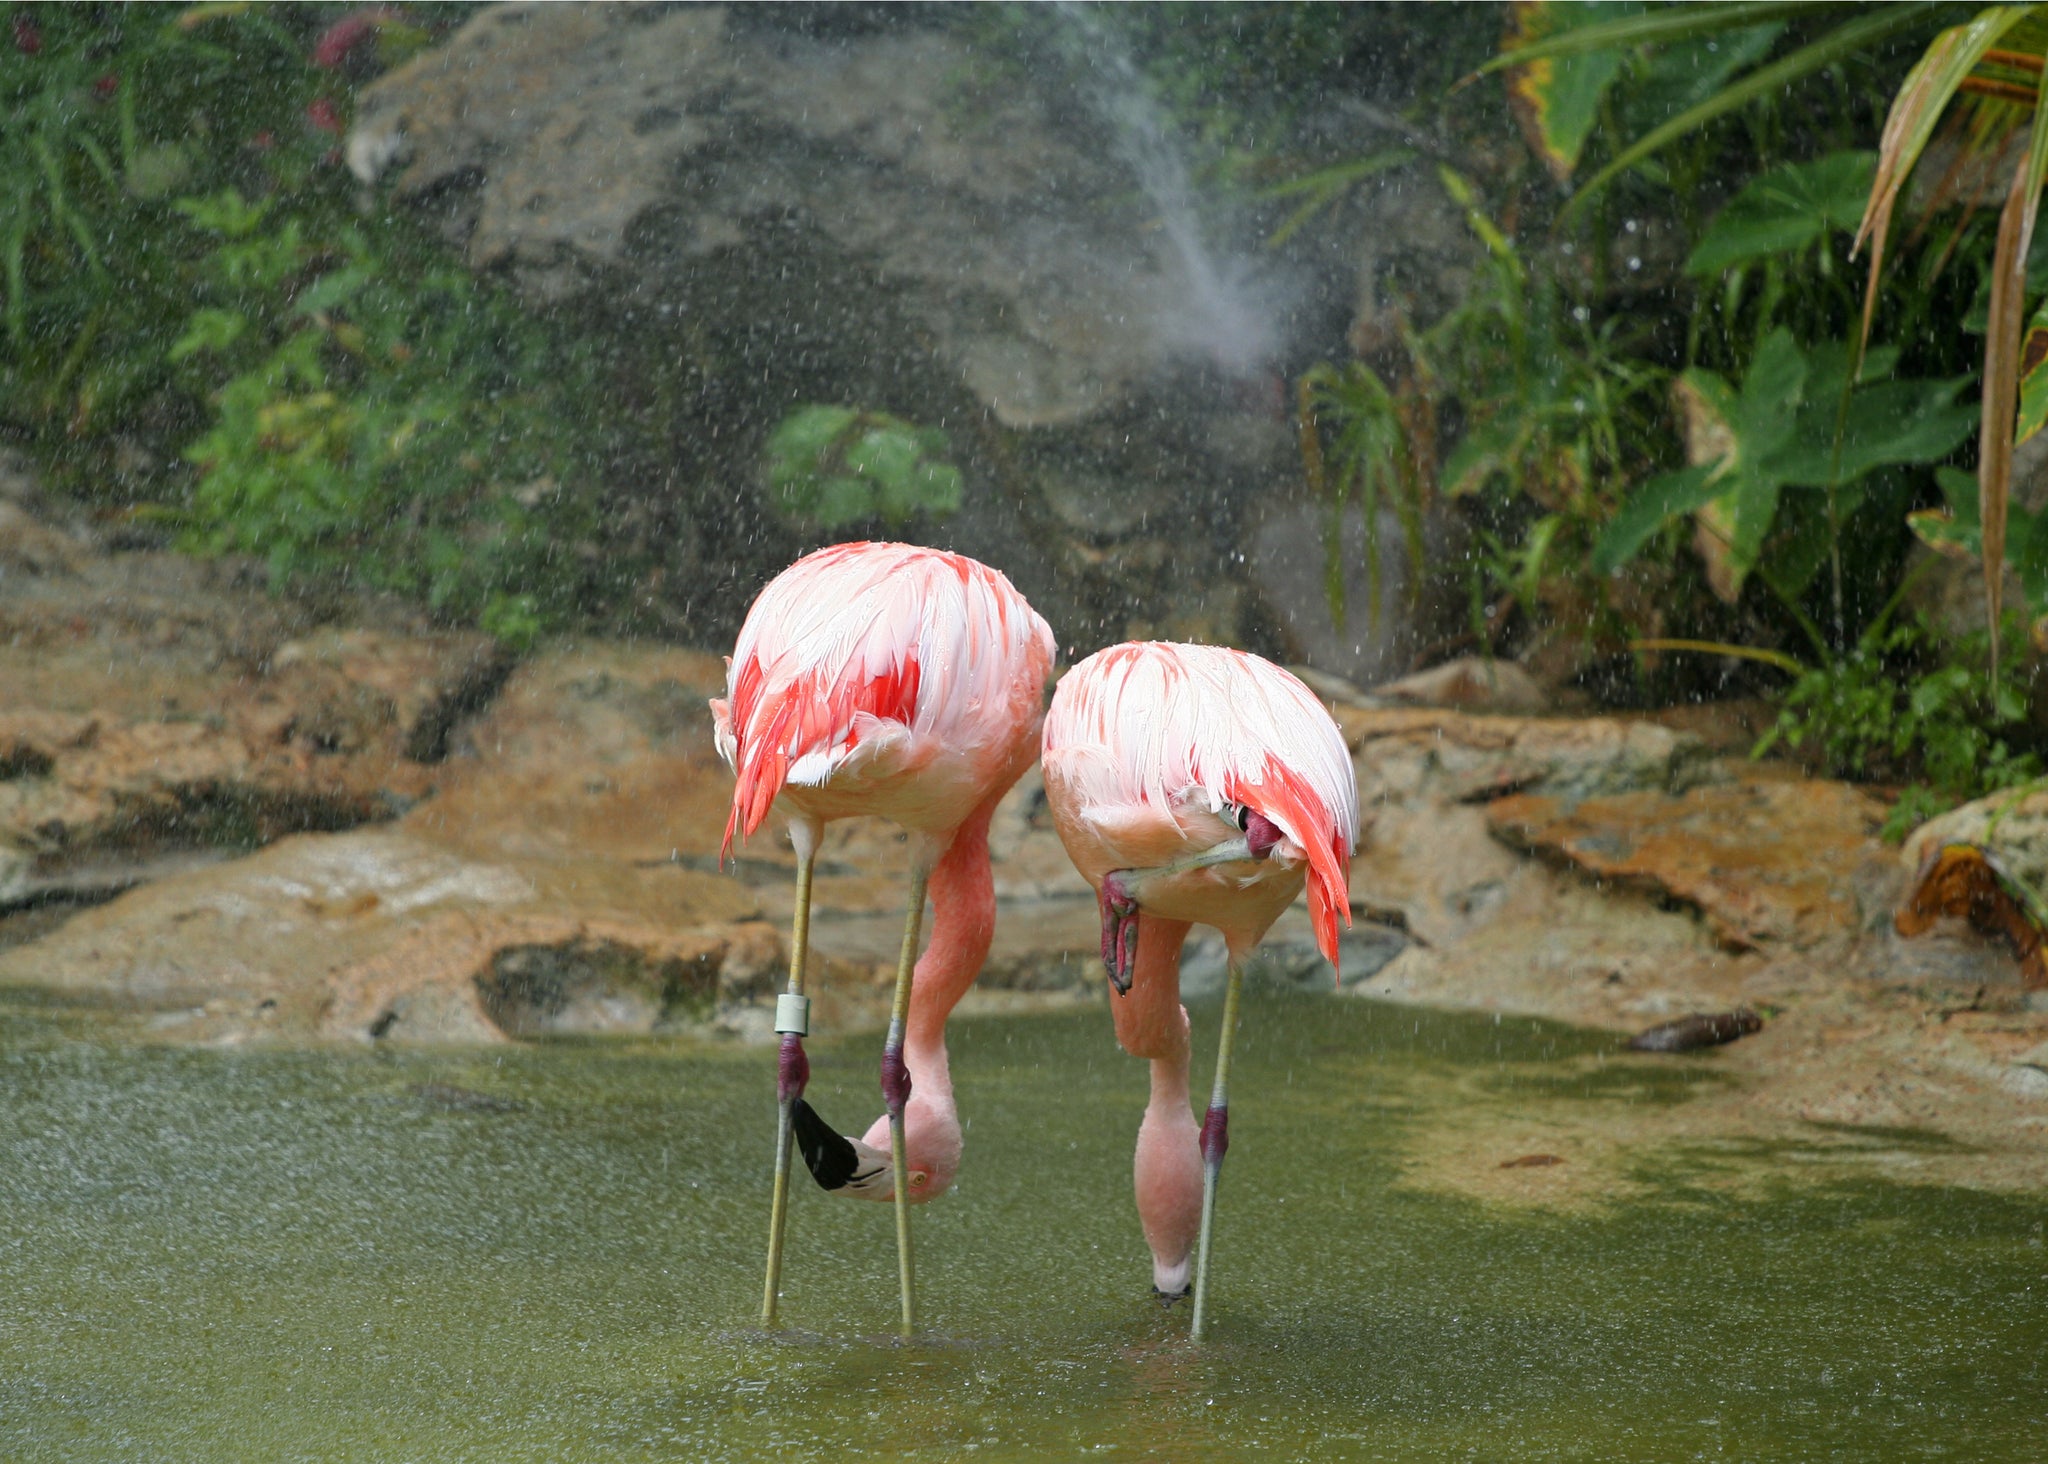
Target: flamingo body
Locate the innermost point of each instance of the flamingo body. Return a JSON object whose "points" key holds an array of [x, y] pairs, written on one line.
{"points": [[882, 679], [904, 682], [1150, 747], [1157, 758]]}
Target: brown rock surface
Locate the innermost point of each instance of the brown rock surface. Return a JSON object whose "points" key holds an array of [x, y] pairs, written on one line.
{"points": [[1763, 859], [149, 706], [545, 859]]}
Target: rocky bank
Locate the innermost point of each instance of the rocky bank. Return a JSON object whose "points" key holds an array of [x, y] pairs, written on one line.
{"points": [[233, 823]]}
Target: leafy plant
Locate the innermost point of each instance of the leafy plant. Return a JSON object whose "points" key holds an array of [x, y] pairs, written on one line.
{"points": [[832, 466], [108, 112], [1373, 460], [1796, 422], [1563, 59], [1555, 417], [378, 423], [1892, 710], [1786, 211], [1998, 64]]}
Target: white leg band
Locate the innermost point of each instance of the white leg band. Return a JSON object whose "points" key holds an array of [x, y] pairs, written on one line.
{"points": [[793, 1014]]}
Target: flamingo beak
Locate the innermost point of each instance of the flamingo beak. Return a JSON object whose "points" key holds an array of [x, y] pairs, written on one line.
{"points": [[841, 1165], [1119, 929], [1118, 897]]}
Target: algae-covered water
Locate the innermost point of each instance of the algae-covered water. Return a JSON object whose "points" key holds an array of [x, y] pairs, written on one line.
{"points": [[551, 1253]]}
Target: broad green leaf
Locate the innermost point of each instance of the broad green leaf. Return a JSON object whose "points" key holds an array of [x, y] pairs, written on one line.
{"points": [[1778, 431], [832, 466], [2033, 412], [1655, 504], [1910, 421], [1845, 40], [332, 288], [1556, 99], [1681, 75], [1786, 209], [209, 330], [1663, 26]]}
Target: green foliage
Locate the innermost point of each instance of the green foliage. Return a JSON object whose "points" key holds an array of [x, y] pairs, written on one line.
{"points": [[1956, 532], [1555, 415], [376, 420], [187, 268], [1722, 40], [1369, 462], [1796, 422], [1891, 710], [833, 466], [109, 112], [1786, 210]]}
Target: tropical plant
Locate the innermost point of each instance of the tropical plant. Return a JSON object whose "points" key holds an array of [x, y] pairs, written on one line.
{"points": [[1900, 706], [1565, 58], [1799, 420], [1375, 459], [832, 466], [1992, 70], [376, 421], [1554, 414]]}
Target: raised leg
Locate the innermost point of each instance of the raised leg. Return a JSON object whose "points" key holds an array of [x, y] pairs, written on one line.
{"points": [[1215, 1139], [896, 1084], [792, 1072]]}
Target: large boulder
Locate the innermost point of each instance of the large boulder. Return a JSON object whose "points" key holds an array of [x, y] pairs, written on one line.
{"points": [[748, 209]]}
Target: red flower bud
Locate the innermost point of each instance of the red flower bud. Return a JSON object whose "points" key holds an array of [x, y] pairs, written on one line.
{"points": [[27, 39], [339, 39], [323, 114], [106, 86]]}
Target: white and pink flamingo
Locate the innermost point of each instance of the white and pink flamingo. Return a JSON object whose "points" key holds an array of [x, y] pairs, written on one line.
{"points": [[1193, 784], [907, 683]]}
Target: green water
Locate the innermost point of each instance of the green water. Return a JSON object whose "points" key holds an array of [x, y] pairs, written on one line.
{"points": [[551, 1254]]}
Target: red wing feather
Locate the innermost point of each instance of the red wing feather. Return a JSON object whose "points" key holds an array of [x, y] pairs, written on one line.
{"points": [[1287, 798]]}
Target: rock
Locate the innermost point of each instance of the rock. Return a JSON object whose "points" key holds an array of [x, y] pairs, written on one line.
{"points": [[2012, 826], [149, 707], [1969, 882], [353, 687], [1403, 755], [29, 547], [1470, 684], [751, 211], [1688, 1034], [1376, 638], [562, 878], [1761, 860]]}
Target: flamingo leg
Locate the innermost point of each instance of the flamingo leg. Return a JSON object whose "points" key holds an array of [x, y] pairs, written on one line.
{"points": [[896, 1085], [1215, 1139], [793, 1071]]}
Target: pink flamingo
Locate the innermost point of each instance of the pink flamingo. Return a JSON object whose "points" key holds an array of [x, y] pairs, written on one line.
{"points": [[1193, 783], [909, 683]]}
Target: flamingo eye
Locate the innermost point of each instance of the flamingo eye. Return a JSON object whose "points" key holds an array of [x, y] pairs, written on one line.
{"points": [[919, 1179]]}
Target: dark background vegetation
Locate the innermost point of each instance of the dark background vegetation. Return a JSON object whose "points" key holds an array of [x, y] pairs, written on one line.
{"points": [[216, 338]]}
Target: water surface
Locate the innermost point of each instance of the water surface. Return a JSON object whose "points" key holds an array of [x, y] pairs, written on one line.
{"points": [[550, 1253]]}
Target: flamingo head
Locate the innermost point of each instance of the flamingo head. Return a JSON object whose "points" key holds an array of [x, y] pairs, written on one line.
{"points": [[861, 1168]]}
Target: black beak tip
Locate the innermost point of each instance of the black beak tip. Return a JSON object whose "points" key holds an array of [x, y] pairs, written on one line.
{"points": [[827, 1154]]}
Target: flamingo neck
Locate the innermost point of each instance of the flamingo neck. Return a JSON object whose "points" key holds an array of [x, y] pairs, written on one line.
{"points": [[963, 894], [962, 890]]}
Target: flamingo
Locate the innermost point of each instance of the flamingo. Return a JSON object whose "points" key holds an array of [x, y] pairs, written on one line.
{"points": [[1193, 783], [909, 683]]}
